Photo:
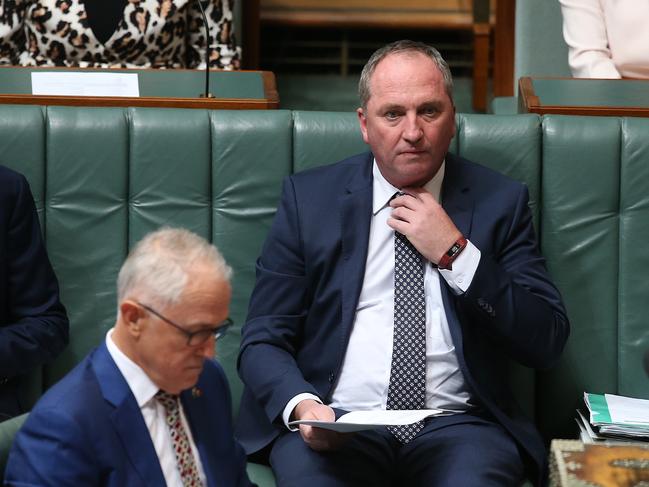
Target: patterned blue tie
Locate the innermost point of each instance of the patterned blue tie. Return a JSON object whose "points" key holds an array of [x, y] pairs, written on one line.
{"points": [[407, 388]]}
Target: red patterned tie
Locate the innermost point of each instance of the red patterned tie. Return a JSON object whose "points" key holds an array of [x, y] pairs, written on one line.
{"points": [[182, 449]]}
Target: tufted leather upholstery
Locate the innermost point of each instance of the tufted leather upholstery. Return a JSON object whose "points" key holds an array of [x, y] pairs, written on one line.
{"points": [[103, 177]]}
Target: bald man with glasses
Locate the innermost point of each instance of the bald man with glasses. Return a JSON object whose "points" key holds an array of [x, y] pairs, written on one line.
{"points": [[149, 406]]}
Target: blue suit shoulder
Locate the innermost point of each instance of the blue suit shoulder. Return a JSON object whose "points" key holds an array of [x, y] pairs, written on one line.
{"points": [[60, 434], [213, 367], [479, 175], [213, 375], [321, 175], [13, 184], [74, 395], [9, 175]]}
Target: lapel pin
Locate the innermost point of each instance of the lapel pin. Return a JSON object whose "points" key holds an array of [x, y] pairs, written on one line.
{"points": [[196, 392]]}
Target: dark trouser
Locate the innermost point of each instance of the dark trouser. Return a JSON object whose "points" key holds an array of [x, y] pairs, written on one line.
{"points": [[461, 450], [9, 404]]}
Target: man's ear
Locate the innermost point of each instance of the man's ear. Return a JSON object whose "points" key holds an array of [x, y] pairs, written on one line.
{"points": [[362, 120], [132, 316]]}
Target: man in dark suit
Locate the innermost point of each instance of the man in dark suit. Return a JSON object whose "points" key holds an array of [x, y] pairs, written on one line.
{"points": [[149, 406], [33, 322], [348, 314]]}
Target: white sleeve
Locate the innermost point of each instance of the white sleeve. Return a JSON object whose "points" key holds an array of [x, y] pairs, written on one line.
{"points": [[286, 415], [464, 267], [584, 30]]}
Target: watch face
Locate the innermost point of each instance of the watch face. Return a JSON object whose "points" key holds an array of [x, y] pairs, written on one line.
{"points": [[453, 249]]}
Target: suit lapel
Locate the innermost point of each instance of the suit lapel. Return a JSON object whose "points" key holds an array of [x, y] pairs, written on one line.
{"points": [[458, 202], [456, 196], [204, 438], [356, 210], [127, 419]]}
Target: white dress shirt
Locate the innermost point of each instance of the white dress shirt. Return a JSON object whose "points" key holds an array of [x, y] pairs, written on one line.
{"points": [[365, 373], [607, 38], [153, 413]]}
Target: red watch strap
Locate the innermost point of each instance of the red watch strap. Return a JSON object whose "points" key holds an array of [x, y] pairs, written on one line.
{"points": [[451, 254]]}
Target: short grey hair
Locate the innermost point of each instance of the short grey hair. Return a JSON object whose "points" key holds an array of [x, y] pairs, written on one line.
{"points": [[404, 46], [157, 267]]}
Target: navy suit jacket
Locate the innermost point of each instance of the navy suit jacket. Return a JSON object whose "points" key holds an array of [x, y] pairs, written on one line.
{"points": [[309, 278], [33, 322], [88, 430]]}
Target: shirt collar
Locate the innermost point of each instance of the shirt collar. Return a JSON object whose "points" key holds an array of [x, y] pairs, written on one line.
{"points": [[383, 190], [142, 387]]}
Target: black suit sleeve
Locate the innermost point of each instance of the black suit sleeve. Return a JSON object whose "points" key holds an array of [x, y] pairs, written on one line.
{"points": [[34, 324]]}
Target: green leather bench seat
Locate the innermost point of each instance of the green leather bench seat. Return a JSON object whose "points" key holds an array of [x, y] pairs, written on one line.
{"points": [[103, 177], [595, 220]]}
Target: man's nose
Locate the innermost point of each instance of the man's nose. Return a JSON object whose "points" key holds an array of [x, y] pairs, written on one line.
{"points": [[208, 349], [412, 131]]}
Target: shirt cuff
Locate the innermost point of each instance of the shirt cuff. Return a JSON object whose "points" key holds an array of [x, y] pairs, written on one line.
{"points": [[286, 415], [459, 278]]}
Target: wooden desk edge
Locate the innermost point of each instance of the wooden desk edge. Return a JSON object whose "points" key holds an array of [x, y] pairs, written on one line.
{"points": [[270, 100], [124, 70], [527, 99], [529, 102], [592, 111], [270, 88], [156, 102]]}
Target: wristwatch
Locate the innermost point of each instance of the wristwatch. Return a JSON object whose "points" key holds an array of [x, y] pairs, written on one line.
{"points": [[446, 262]]}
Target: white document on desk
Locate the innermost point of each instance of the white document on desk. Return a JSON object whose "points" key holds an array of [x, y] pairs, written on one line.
{"points": [[628, 410], [367, 420], [84, 84]]}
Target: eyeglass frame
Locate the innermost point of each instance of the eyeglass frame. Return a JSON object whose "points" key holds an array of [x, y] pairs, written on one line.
{"points": [[216, 332]]}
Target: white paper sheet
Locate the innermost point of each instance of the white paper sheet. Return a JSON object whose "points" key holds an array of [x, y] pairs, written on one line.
{"points": [[367, 420], [628, 409], [84, 84]]}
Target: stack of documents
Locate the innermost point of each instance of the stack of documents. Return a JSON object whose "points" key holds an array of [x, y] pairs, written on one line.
{"points": [[614, 417]]}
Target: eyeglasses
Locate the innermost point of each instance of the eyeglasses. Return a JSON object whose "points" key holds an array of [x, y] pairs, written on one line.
{"points": [[194, 338]]}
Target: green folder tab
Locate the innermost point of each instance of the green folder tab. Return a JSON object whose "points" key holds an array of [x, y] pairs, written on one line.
{"points": [[598, 407]]}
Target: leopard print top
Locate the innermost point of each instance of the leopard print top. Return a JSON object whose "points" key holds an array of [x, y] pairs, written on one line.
{"points": [[151, 34]]}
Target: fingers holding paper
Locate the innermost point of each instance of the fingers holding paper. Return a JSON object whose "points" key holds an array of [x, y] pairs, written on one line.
{"points": [[318, 439]]}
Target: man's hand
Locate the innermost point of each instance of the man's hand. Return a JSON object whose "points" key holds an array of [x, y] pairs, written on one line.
{"points": [[318, 439], [422, 219]]}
